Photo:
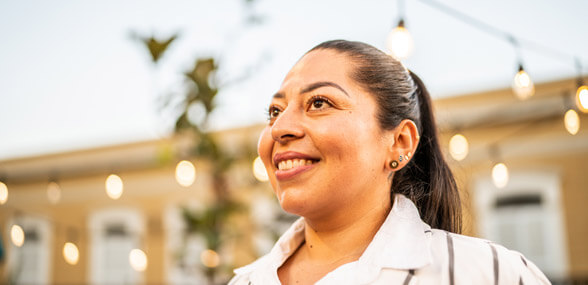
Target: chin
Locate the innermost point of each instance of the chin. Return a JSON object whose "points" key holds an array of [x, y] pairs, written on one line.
{"points": [[293, 204]]}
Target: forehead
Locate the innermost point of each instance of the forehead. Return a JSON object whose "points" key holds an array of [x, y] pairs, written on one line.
{"points": [[320, 65]]}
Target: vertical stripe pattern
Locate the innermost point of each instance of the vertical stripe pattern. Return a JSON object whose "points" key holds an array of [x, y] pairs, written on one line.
{"points": [[451, 259], [495, 263], [408, 277]]}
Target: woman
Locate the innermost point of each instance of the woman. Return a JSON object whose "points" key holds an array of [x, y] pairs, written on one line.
{"points": [[351, 147]]}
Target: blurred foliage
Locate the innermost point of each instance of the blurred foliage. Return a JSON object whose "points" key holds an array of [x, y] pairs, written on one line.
{"points": [[199, 96]]}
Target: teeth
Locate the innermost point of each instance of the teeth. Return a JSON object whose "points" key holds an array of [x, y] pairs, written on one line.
{"points": [[292, 163]]}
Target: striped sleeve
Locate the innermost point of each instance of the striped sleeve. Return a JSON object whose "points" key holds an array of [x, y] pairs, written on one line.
{"points": [[477, 261]]}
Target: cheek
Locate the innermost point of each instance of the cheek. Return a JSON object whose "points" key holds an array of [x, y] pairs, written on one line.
{"points": [[265, 147]]}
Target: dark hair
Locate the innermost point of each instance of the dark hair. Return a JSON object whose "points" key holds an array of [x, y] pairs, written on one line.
{"points": [[400, 94]]}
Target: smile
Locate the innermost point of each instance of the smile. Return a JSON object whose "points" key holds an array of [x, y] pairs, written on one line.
{"points": [[290, 164], [293, 163]]}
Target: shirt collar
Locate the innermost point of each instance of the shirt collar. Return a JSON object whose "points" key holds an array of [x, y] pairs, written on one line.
{"points": [[400, 243]]}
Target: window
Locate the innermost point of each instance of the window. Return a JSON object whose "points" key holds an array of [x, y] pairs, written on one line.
{"points": [[113, 234], [29, 264], [525, 216]]}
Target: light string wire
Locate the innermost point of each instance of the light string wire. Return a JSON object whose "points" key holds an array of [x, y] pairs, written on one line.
{"points": [[504, 35]]}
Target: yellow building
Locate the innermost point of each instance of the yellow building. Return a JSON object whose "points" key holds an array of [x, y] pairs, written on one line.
{"points": [[539, 210]]}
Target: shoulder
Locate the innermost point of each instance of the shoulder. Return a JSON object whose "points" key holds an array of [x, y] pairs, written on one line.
{"points": [[470, 259]]}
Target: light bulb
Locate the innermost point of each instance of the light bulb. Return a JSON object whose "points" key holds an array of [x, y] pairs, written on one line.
{"points": [[399, 42], [71, 254], [138, 259], [210, 258], [17, 235], [522, 85], [259, 170], [114, 186], [185, 173], [3, 193], [572, 121], [500, 175], [458, 147], [53, 192], [582, 98]]}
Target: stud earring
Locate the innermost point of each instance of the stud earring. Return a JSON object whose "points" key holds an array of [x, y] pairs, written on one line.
{"points": [[393, 164], [409, 155], [400, 158]]}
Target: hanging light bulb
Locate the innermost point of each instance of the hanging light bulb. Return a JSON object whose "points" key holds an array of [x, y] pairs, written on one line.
{"points": [[17, 235], [399, 42], [572, 121], [522, 85], [53, 192], [259, 170], [582, 98], [185, 173], [138, 259], [210, 258], [500, 175], [71, 254], [458, 147], [114, 186], [3, 193]]}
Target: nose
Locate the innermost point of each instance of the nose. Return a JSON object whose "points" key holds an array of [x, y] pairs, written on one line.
{"points": [[287, 126]]}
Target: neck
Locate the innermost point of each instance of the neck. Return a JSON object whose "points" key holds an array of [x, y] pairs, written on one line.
{"points": [[344, 238]]}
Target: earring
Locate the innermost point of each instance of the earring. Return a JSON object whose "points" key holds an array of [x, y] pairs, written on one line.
{"points": [[400, 158], [408, 155], [393, 164]]}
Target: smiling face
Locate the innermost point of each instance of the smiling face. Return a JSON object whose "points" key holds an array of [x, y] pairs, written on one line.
{"points": [[323, 148]]}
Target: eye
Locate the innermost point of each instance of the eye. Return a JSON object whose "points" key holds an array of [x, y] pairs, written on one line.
{"points": [[318, 102], [273, 112]]}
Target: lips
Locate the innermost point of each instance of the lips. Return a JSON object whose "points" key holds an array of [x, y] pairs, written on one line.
{"points": [[290, 164]]}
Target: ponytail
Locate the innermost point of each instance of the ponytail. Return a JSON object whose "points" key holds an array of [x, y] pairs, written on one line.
{"points": [[427, 180]]}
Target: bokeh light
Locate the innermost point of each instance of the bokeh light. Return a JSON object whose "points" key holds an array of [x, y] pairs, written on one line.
{"points": [[399, 43], [500, 175], [114, 186], [138, 259], [185, 173], [17, 235], [210, 258], [3, 193], [259, 170], [522, 85], [572, 121], [71, 254], [458, 147]]}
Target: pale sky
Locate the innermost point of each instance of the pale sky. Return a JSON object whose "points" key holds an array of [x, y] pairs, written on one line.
{"points": [[71, 77]]}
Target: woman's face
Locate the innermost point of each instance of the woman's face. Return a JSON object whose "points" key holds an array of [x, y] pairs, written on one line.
{"points": [[323, 148]]}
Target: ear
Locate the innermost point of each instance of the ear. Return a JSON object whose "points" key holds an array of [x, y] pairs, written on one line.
{"points": [[406, 139]]}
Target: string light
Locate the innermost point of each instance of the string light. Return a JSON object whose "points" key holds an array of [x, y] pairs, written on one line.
{"points": [[114, 186], [138, 259], [53, 192], [399, 42], [185, 173], [17, 235], [71, 254], [582, 98], [572, 121], [259, 170], [458, 147], [3, 193], [522, 84], [500, 175], [210, 258]]}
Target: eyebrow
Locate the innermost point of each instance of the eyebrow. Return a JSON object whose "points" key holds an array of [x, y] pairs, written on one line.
{"points": [[314, 86]]}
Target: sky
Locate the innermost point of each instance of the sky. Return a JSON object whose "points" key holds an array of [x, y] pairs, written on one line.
{"points": [[72, 76]]}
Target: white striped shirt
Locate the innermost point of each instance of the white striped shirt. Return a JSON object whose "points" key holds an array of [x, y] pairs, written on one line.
{"points": [[405, 250]]}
